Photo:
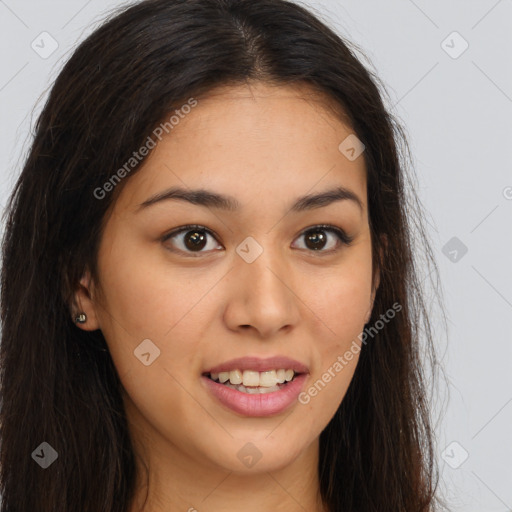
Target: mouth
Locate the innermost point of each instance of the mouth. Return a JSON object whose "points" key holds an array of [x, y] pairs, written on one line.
{"points": [[255, 394], [254, 382]]}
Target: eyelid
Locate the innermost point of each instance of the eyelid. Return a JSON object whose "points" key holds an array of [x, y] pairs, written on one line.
{"points": [[189, 227], [341, 234]]}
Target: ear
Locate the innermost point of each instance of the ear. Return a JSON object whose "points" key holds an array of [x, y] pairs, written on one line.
{"points": [[84, 302], [376, 283]]}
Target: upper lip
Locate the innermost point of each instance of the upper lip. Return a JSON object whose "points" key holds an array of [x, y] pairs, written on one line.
{"points": [[259, 365]]}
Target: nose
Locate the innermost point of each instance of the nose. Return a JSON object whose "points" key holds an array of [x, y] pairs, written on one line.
{"points": [[263, 297]]}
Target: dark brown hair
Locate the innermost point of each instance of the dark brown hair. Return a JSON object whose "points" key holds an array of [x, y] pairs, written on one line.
{"points": [[376, 454]]}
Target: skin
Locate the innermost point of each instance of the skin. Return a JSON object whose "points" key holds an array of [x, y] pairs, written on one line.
{"points": [[266, 146]]}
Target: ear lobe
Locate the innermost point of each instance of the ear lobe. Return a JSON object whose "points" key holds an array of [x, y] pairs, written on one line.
{"points": [[85, 303]]}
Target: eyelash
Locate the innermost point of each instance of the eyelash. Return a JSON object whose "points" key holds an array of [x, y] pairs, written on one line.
{"points": [[342, 236]]}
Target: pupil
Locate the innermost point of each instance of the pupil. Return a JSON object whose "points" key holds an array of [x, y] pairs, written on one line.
{"points": [[196, 241], [316, 237]]}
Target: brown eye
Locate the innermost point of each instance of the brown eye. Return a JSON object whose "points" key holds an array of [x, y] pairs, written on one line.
{"points": [[191, 239], [316, 238], [194, 240]]}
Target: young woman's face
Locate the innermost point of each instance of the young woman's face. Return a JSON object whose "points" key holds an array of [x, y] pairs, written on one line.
{"points": [[248, 283]]}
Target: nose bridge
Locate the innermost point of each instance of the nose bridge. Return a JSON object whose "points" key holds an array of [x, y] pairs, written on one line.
{"points": [[261, 263], [263, 298]]}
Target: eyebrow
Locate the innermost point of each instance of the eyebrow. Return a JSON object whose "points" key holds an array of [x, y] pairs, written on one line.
{"points": [[215, 200]]}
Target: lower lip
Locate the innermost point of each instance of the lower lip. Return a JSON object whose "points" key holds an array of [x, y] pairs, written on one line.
{"points": [[265, 404]]}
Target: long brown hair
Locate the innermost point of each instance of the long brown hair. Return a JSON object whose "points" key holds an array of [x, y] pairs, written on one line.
{"points": [[376, 454]]}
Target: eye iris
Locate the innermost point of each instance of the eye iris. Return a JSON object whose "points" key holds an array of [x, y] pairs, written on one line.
{"points": [[196, 241], [316, 237]]}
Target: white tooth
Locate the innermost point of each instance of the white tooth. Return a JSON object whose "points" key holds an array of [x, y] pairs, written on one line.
{"points": [[288, 375], [281, 376], [252, 390], [251, 378], [235, 377], [214, 376], [268, 378], [223, 376], [269, 390]]}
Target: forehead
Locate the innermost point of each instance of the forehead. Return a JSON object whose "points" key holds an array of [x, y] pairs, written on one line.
{"points": [[257, 140]]}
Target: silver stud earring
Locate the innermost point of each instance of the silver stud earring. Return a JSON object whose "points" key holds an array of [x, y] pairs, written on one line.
{"points": [[81, 318]]}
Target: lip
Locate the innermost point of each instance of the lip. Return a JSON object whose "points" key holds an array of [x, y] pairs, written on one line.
{"points": [[255, 405], [259, 365]]}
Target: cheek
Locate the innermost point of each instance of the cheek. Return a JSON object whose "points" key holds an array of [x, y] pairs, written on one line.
{"points": [[340, 313], [341, 298], [339, 308], [147, 301], [339, 304], [143, 293], [325, 392]]}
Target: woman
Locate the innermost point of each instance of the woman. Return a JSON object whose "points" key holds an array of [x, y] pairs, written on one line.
{"points": [[209, 298]]}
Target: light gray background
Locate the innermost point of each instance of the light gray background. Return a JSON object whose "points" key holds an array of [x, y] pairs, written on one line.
{"points": [[458, 114]]}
